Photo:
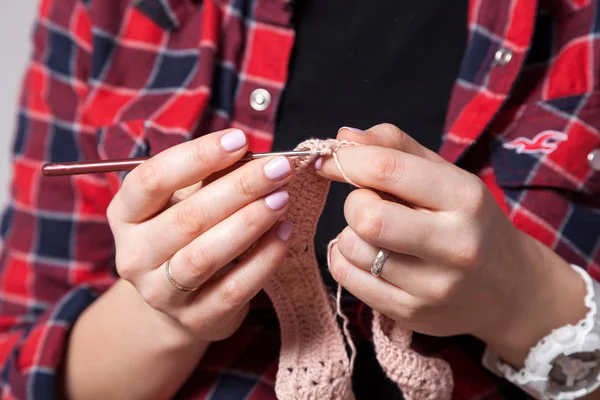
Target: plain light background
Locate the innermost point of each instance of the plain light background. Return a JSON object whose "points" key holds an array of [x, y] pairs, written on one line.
{"points": [[16, 19]]}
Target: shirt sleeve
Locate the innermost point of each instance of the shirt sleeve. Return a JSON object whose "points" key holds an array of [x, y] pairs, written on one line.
{"points": [[57, 251]]}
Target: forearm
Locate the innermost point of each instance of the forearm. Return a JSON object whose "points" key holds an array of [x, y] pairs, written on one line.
{"points": [[121, 348]]}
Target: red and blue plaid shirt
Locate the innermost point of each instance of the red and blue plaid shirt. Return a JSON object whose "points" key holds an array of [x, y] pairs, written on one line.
{"points": [[123, 78]]}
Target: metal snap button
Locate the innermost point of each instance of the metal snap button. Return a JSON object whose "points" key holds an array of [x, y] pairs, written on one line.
{"points": [[260, 99], [594, 159], [503, 56]]}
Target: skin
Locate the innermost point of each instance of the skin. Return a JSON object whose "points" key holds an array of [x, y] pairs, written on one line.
{"points": [[458, 265], [144, 336]]}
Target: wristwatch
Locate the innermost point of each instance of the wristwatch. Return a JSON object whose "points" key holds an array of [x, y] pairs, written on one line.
{"points": [[565, 364]]}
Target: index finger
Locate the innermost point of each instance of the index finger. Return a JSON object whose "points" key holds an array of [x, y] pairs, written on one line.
{"points": [[148, 188], [420, 181], [388, 135]]}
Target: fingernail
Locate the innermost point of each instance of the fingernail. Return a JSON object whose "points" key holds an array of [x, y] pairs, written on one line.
{"points": [[284, 230], [277, 199], [319, 163], [354, 130], [233, 140], [278, 168]]}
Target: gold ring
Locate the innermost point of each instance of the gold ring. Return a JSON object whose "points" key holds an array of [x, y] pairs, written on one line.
{"points": [[173, 282]]}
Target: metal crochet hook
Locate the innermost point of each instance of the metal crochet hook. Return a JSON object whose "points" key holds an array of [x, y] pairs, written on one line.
{"points": [[127, 164]]}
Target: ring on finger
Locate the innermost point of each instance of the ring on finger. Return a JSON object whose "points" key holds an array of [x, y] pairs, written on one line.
{"points": [[173, 282], [379, 261]]}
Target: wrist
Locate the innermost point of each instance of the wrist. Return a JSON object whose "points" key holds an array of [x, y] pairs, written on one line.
{"points": [[550, 294], [169, 335], [119, 344]]}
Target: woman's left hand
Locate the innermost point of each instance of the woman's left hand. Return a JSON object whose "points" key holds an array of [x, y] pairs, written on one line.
{"points": [[458, 265]]}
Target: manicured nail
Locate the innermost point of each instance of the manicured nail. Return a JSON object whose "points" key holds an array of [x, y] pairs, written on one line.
{"points": [[354, 130], [233, 140], [277, 199], [284, 230], [319, 163], [278, 168]]}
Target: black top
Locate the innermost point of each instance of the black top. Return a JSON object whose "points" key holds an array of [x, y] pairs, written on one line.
{"points": [[359, 63], [363, 62]]}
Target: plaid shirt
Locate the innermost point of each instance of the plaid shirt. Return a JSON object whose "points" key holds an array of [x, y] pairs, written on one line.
{"points": [[123, 78]]}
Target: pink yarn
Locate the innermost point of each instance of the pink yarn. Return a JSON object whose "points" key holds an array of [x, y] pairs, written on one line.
{"points": [[314, 363]]}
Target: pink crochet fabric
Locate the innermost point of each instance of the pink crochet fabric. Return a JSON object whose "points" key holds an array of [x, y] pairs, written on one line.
{"points": [[314, 363]]}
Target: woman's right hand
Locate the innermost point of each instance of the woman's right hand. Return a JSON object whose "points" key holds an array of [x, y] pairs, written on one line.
{"points": [[162, 212]]}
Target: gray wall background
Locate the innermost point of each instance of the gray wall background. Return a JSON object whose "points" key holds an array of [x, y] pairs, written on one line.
{"points": [[16, 18]]}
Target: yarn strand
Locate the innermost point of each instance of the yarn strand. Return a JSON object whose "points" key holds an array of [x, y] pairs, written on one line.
{"points": [[340, 313]]}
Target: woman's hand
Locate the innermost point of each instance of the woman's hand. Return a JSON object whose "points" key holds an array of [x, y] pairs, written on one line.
{"points": [[162, 213], [458, 265], [143, 337]]}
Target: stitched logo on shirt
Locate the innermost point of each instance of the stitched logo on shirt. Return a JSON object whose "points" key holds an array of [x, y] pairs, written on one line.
{"points": [[543, 143]]}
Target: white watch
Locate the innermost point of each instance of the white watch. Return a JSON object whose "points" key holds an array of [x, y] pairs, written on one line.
{"points": [[565, 364]]}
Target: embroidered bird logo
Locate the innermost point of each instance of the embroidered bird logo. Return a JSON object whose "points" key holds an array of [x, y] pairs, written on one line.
{"points": [[544, 142]]}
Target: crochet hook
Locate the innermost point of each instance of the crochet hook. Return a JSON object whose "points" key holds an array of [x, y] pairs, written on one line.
{"points": [[127, 164]]}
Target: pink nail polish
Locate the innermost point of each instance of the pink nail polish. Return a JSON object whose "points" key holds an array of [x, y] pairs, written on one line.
{"points": [[319, 163], [233, 140], [284, 230], [354, 130], [278, 168], [277, 200]]}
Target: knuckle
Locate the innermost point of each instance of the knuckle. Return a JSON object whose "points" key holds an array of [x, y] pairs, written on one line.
{"points": [[216, 327], [233, 294], [246, 186], [404, 311], [149, 179], [127, 265], [392, 130], [111, 215], [339, 270], [151, 296], [443, 292], [272, 257], [201, 151], [475, 196], [234, 321], [467, 253], [369, 224], [190, 219], [251, 220], [190, 319], [409, 313], [347, 244], [386, 167], [199, 261]]}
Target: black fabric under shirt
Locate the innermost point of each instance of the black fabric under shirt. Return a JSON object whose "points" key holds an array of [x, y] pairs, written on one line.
{"points": [[363, 62], [360, 63]]}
